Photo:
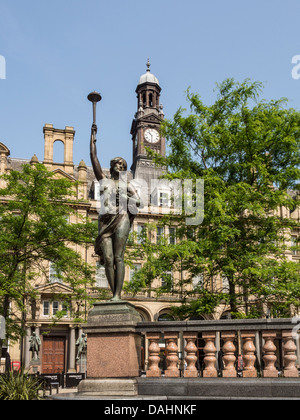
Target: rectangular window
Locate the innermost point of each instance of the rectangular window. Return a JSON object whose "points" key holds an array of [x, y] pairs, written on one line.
{"points": [[64, 307], [46, 308], [159, 233], [198, 280], [136, 268], [141, 231], [55, 307], [167, 280], [172, 236], [163, 199], [54, 274], [294, 244], [225, 284]]}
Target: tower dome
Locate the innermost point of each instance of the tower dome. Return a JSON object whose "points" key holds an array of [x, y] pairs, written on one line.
{"points": [[148, 77]]}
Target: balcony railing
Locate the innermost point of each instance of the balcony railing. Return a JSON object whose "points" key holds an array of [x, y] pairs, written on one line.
{"points": [[248, 347]]}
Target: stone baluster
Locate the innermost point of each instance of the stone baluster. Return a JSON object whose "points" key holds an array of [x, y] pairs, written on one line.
{"points": [[172, 354], [269, 356], [289, 357], [210, 354], [191, 354], [154, 350], [229, 354], [249, 357]]}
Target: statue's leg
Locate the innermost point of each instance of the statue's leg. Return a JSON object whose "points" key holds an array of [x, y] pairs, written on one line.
{"points": [[119, 244], [108, 256]]}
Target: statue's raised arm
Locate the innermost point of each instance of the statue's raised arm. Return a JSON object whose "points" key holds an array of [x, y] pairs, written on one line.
{"points": [[113, 225], [93, 152]]}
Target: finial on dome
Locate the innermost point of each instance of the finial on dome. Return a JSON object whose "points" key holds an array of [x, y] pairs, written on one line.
{"points": [[148, 65]]}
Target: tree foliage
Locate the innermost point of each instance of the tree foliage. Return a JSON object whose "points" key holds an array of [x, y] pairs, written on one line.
{"points": [[247, 152], [34, 231]]}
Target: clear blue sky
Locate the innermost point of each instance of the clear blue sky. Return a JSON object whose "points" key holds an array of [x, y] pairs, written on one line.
{"points": [[57, 51]]}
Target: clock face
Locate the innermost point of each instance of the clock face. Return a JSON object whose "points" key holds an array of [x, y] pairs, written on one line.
{"points": [[151, 135]]}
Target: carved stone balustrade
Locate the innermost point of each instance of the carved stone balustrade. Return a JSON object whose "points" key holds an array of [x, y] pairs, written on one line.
{"points": [[260, 342], [191, 357], [154, 359], [249, 357], [269, 356], [210, 359], [229, 354], [172, 355], [289, 348]]}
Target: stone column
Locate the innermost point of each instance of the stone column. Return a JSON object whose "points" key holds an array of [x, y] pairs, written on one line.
{"points": [[72, 349], [153, 358], [289, 357], [269, 356], [249, 358], [191, 354], [229, 354], [172, 354], [210, 354]]}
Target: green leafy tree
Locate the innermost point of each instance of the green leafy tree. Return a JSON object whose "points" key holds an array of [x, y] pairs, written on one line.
{"points": [[247, 152], [35, 209]]}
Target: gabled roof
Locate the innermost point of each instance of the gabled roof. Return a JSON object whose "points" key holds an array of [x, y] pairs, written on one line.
{"points": [[63, 174], [55, 288]]}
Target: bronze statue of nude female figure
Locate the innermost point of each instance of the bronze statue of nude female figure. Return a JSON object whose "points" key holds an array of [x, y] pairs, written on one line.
{"points": [[114, 226]]}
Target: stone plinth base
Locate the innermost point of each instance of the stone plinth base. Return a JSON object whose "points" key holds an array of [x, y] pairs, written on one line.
{"points": [[35, 365], [172, 373], [108, 387], [210, 373], [113, 346], [229, 374], [190, 374], [291, 373], [270, 373], [251, 373]]}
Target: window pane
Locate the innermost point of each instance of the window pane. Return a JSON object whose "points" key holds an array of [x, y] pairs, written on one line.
{"points": [[159, 233], [46, 307], [55, 307], [54, 274], [198, 280], [136, 268], [163, 199], [172, 236], [64, 307], [140, 233]]}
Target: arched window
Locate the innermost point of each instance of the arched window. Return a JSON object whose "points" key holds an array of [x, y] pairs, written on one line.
{"points": [[150, 99], [165, 317], [58, 151]]}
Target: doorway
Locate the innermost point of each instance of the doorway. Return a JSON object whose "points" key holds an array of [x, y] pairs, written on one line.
{"points": [[53, 359]]}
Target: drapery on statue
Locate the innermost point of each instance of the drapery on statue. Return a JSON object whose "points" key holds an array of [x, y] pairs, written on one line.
{"points": [[114, 224], [35, 343]]}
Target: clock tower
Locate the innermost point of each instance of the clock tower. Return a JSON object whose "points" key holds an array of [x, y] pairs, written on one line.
{"points": [[145, 128]]}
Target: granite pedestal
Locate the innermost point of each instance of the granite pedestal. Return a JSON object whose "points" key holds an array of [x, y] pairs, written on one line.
{"points": [[113, 349]]}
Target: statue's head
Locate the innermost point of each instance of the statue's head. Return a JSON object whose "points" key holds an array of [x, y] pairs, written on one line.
{"points": [[118, 164]]}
